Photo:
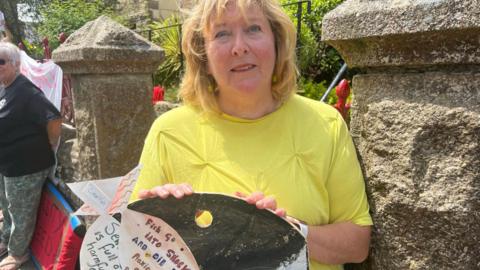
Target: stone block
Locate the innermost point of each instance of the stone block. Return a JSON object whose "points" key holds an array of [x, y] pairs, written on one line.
{"points": [[111, 69], [405, 33], [162, 107], [418, 136], [104, 46], [416, 123]]}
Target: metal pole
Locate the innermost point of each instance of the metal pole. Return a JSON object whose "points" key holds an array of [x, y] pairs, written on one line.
{"points": [[334, 82], [299, 23]]}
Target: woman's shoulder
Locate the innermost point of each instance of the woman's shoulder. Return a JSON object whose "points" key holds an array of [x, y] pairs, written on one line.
{"points": [[320, 110], [23, 86], [176, 118]]}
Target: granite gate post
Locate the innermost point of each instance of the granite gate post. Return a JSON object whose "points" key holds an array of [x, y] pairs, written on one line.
{"points": [[111, 69], [416, 123]]}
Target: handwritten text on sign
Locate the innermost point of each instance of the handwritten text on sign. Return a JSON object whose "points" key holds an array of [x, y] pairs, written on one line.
{"points": [[100, 246], [149, 243]]}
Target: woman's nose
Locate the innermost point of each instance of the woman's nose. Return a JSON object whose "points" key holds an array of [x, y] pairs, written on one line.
{"points": [[240, 46]]}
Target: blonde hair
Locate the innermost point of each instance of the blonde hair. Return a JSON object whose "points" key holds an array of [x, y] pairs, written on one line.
{"points": [[197, 87]]}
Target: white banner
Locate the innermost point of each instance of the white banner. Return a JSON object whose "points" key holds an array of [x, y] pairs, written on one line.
{"points": [[47, 76], [2, 21]]}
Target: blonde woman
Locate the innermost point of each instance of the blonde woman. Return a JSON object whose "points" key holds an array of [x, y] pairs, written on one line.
{"points": [[242, 130]]}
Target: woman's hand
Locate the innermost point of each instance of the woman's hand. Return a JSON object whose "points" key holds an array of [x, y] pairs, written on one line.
{"points": [[177, 190], [262, 202]]}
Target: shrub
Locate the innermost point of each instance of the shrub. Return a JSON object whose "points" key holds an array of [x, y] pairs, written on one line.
{"points": [[308, 88], [34, 50], [327, 61], [167, 35], [59, 16], [317, 61]]}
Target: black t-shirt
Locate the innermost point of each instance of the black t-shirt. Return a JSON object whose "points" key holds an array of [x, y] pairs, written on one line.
{"points": [[24, 114]]}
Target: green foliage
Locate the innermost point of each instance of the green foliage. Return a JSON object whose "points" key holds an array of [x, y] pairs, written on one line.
{"points": [[167, 35], [171, 94], [317, 61], [35, 50], [326, 62], [308, 88], [67, 16]]}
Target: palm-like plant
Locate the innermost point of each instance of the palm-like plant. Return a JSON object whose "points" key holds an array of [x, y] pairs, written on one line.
{"points": [[167, 34]]}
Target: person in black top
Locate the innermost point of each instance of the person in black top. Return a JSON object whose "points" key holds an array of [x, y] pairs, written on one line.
{"points": [[29, 132]]}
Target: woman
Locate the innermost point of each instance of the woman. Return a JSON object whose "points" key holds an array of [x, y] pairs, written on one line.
{"points": [[243, 131], [29, 131]]}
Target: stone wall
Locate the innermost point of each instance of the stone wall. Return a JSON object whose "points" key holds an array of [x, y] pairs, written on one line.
{"points": [[416, 123], [111, 68]]}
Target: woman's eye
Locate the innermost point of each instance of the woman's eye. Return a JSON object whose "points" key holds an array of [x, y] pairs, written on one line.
{"points": [[254, 28], [221, 34]]}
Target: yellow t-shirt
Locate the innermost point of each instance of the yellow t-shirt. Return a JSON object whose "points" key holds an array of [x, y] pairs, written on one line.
{"points": [[302, 154]]}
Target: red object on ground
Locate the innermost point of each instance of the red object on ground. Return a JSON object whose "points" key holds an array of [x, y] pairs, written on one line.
{"points": [[158, 93], [55, 243], [343, 91]]}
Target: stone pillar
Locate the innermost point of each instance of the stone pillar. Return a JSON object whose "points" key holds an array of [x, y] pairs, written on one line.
{"points": [[416, 123], [111, 69]]}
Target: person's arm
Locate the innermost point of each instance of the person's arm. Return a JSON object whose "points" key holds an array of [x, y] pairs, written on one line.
{"points": [[338, 243], [346, 237], [54, 128]]}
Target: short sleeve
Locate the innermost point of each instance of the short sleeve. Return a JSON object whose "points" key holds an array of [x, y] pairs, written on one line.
{"points": [[345, 185], [151, 162], [41, 110]]}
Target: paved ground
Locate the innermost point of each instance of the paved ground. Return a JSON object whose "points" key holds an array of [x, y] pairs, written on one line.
{"points": [[26, 266]]}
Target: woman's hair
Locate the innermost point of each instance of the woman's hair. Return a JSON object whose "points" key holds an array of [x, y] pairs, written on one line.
{"points": [[198, 87], [12, 52]]}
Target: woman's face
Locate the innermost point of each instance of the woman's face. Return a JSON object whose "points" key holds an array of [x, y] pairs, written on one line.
{"points": [[7, 69], [241, 53]]}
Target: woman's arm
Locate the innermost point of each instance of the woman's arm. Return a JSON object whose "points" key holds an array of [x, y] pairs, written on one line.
{"points": [[54, 128], [338, 243]]}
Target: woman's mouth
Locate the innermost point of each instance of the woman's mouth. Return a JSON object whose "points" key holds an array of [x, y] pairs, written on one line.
{"points": [[243, 68]]}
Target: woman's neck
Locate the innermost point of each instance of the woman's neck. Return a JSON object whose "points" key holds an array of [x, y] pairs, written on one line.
{"points": [[249, 108], [10, 80]]}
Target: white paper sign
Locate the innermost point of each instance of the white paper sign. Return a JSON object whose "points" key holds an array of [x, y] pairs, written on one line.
{"points": [[2, 22], [97, 194], [100, 246], [149, 243], [124, 191], [107, 196]]}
